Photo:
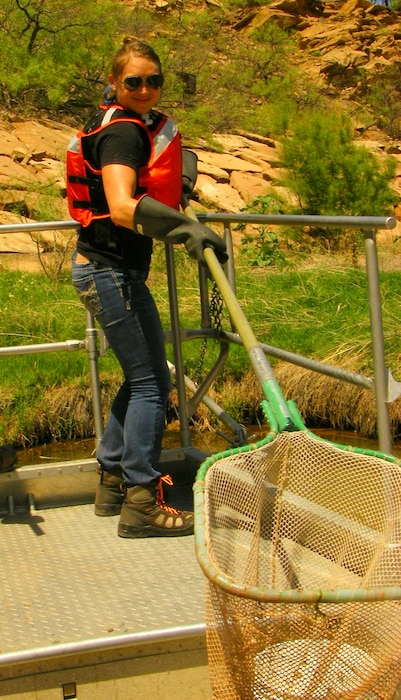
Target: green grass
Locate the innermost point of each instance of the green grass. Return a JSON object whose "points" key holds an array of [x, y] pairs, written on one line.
{"points": [[320, 311], [310, 312]]}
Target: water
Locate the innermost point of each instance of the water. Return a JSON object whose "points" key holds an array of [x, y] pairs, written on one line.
{"points": [[85, 449], [205, 441], [57, 452]]}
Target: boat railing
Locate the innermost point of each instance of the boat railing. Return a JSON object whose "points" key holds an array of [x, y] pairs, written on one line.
{"points": [[383, 385]]}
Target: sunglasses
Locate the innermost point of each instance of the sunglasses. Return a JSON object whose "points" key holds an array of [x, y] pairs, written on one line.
{"points": [[133, 82]]}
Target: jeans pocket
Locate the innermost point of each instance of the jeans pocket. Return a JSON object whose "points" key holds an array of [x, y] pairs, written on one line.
{"points": [[86, 289]]}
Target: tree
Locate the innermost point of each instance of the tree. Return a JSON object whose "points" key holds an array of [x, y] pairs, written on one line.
{"points": [[57, 49], [331, 175]]}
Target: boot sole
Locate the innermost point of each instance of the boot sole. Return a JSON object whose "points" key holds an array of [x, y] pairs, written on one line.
{"points": [[133, 531]]}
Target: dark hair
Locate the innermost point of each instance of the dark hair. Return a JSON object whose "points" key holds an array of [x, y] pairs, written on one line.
{"points": [[132, 46]]}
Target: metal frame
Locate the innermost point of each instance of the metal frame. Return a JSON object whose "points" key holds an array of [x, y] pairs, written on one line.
{"points": [[383, 385]]}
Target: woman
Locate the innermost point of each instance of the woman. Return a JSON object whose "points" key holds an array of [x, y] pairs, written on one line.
{"points": [[124, 184]]}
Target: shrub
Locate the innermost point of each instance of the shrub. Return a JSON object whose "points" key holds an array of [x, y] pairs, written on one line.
{"points": [[331, 175]]}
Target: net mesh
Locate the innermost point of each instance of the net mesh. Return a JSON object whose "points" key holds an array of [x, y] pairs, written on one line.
{"points": [[302, 514]]}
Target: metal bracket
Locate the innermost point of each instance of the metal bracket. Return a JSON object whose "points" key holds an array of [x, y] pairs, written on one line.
{"points": [[393, 387], [103, 342]]}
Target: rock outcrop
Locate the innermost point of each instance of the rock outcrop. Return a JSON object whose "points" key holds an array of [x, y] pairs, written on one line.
{"points": [[32, 155], [341, 43]]}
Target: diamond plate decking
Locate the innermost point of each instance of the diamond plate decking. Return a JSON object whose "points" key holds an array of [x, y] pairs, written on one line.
{"points": [[66, 576]]}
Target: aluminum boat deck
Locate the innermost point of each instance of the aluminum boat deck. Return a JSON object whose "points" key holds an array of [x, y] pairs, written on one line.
{"points": [[75, 597]]}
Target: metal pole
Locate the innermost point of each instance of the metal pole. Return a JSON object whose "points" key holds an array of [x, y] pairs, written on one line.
{"points": [[204, 297], [229, 266], [93, 354], [376, 326], [185, 435], [67, 345]]}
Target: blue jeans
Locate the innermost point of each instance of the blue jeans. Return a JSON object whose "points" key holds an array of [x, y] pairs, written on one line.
{"points": [[128, 315]]}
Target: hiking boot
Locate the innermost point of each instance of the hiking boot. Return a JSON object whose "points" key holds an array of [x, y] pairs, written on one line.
{"points": [[109, 494], [145, 514]]}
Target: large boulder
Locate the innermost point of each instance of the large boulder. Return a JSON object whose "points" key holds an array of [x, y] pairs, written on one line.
{"points": [[47, 140]]}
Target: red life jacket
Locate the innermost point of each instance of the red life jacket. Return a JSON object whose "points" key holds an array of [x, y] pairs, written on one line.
{"points": [[161, 178]]}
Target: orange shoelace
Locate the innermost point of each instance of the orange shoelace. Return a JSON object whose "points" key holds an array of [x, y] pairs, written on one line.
{"points": [[159, 497]]}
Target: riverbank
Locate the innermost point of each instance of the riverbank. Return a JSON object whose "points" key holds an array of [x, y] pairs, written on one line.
{"points": [[313, 306]]}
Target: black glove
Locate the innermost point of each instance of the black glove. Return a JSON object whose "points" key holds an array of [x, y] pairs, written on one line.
{"points": [[157, 220], [189, 172]]}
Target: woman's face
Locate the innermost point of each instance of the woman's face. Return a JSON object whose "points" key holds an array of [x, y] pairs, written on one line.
{"points": [[142, 99]]}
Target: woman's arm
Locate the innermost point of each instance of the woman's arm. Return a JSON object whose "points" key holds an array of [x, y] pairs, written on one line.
{"points": [[119, 182]]}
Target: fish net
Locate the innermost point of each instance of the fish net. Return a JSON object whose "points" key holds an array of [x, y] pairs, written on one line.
{"points": [[300, 542]]}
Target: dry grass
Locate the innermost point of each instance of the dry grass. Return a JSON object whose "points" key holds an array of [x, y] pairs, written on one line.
{"points": [[66, 413], [322, 402], [326, 402]]}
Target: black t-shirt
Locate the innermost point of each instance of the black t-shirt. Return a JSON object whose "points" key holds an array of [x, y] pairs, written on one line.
{"points": [[121, 142], [124, 143]]}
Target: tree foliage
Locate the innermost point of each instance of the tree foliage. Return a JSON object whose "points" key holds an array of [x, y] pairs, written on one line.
{"points": [[331, 174], [54, 52], [60, 53], [234, 75]]}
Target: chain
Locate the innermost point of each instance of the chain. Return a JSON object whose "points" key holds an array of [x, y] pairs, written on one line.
{"points": [[216, 318], [216, 308]]}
